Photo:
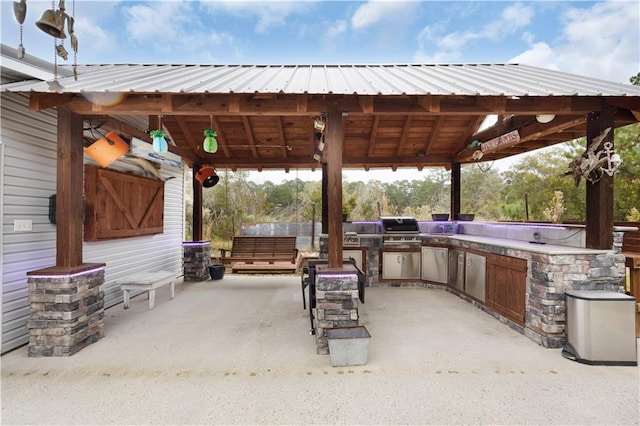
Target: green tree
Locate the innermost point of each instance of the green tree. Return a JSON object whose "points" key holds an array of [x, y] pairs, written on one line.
{"points": [[536, 178], [480, 191], [627, 181]]}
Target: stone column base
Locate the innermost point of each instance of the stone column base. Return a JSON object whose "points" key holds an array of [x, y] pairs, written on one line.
{"points": [[196, 260], [67, 309], [336, 303]]}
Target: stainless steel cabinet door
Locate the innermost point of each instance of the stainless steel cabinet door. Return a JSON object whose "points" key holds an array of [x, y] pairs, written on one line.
{"points": [[475, 276], [435, 264], [401, 265]]}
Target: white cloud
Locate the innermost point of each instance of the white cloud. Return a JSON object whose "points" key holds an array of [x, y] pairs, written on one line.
{"points": [[93, 38], [167, 27], [269, 14], [448, 46], [375, 12], [511, 20], [540, 55], [333, 32], [157, 21], [602, 41]]}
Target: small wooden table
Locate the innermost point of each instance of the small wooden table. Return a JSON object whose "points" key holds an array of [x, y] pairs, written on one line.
{"points": [[147, 281]]}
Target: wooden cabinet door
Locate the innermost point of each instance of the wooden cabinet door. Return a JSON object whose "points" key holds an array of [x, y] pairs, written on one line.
{"points": [[506, 286], [121, 205]]}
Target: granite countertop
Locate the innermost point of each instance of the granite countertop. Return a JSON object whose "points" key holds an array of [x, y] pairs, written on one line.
{"points": [[547, 248], [525, 245]]}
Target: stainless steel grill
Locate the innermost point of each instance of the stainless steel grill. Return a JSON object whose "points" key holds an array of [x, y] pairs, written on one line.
{"points": [[398, 225], [400, 231]]}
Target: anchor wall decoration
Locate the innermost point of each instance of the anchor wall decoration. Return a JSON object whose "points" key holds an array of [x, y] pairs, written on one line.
{"points": [[593, 163]]}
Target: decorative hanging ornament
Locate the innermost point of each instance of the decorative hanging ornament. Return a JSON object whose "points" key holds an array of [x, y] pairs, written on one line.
{"points": [[20, 12], [52, 22], [159, 142], [210, 143]]}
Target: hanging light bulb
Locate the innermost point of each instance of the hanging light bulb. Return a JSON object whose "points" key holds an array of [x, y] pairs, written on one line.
{"points": [[210, 143]]}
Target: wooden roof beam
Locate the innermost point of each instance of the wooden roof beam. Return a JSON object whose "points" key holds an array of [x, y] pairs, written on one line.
{"points": [[191, 144], [366, 103], [249, 134], [241, 104], [433, 135], [429, 103], [403, 136], [283, 149], [125, 129], [492, 104], [222, 138], [373, 134]]}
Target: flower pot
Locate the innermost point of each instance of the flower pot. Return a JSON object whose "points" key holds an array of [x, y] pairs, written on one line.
{"points": [[216, 272]]}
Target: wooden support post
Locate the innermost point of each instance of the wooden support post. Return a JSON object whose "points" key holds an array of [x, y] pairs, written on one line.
{"points": [[599, 220], [69, 189], [325, 201], [333, 150], [197, 206], [455, 191]]}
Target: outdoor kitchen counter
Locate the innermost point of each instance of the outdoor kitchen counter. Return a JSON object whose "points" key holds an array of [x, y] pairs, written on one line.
{"points": [[549, 249]]}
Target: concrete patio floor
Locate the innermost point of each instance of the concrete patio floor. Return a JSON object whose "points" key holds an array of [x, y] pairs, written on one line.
{"points": [[238, 351]]}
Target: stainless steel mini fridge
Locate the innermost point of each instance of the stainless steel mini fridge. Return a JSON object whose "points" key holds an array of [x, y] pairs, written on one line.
{"points": [[601, 328]]}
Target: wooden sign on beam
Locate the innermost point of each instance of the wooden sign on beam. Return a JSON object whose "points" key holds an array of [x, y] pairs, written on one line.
{"points": [[502, 141]]}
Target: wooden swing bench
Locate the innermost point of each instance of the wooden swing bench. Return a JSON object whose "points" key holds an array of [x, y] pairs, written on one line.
{"points": [[261, 254]]}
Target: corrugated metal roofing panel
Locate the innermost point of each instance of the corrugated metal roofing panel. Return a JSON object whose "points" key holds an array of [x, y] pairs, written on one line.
{"points": [[410, 79]]}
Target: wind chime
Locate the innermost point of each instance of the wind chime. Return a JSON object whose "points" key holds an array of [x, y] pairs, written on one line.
{"points": [[52, 22]]}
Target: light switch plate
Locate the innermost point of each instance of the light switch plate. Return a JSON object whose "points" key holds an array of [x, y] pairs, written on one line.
{"points": [[20, 225]]}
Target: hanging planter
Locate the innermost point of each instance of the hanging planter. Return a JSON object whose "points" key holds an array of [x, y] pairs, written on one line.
{"points": [[159, 142], [210, 143]]}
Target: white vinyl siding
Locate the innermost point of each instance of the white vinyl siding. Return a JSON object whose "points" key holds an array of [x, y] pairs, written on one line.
{"points": [[160, 251], [28, 149]]}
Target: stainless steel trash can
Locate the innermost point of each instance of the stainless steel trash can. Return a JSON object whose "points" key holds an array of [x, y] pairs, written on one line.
{"points": [[600, 328]]}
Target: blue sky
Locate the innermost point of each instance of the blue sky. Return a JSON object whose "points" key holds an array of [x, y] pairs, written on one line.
{"points": [[597, 39]]}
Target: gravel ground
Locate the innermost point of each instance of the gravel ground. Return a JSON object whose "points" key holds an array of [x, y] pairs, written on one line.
{"points": [[238, 351]]}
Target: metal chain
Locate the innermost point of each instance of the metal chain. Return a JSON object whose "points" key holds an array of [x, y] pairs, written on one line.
{"points": [[75, 51]]}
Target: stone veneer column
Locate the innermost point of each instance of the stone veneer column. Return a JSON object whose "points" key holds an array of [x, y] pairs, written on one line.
{"points": [[336, 302], [552, 276], [196, 260], [67, 309]]}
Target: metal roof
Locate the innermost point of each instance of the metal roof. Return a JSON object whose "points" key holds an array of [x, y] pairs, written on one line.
{"points": [[394, 115], [389, 80]]}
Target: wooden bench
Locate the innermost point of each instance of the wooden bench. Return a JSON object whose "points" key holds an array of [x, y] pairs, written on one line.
{"points": [[147, 281], [260, 254]]}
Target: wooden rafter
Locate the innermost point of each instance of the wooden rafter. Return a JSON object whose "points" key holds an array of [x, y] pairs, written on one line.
{"points": [[249, 133], [281, 139], [190, 143], [373, 134], [433, 135], [222, 138], [403, 137]]}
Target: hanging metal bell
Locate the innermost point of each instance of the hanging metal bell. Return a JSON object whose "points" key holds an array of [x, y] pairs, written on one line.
{"points": [[52, 23]]}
